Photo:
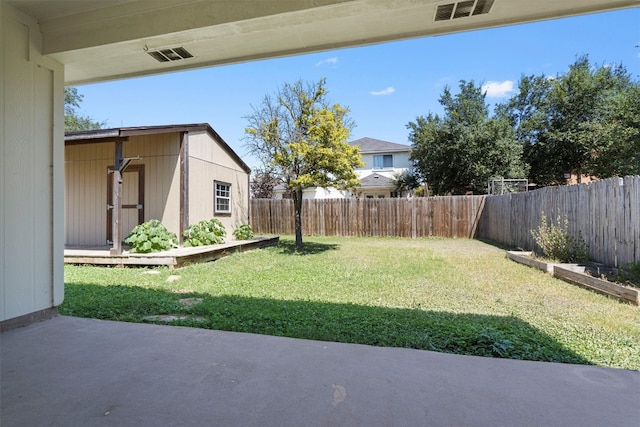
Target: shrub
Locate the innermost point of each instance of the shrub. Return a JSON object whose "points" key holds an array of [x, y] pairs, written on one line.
{"points": [[627, 274], [557, 244], [206, 232], [243, 232], [151, 236], [632, 272]]}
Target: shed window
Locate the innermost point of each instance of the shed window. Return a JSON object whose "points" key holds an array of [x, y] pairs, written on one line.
{"points": [[383, 161], [222, 197]]}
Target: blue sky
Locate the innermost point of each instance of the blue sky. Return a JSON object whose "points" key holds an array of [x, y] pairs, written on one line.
{"points": [[385, 86]]}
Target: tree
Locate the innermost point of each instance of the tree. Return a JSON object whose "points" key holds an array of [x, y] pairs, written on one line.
{"points": [[406, 181], [617, 137], [579, 122], [299, 136], [459, 152], [72, 120], [262, 184]]}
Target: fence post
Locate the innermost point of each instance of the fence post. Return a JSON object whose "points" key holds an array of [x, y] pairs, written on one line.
{"points": [[414, 219]]}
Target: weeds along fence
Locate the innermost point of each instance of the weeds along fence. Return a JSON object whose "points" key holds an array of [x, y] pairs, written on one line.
{"points": [[606, 213], [455, 216]]}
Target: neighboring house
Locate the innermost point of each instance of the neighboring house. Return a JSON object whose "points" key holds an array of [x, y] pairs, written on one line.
{"points": [[382, 162], [313, 193], [573, 178], [376, 186], [178, 174]]}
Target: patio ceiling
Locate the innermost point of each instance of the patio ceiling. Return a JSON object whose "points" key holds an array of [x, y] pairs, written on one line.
{"points": [[110, 39]]}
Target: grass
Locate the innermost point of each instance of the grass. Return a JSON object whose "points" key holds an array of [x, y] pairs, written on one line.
{"points": [[456, 296]]}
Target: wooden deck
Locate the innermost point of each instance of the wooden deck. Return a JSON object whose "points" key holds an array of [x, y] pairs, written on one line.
{"points": [[175, 258]]}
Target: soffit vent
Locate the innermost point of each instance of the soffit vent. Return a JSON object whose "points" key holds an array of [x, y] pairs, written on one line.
{"points": [[170, 54], [463, 9]]}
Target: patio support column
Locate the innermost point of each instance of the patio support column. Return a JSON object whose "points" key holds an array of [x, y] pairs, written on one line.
{"points": [[184, 184], [116, 215]]}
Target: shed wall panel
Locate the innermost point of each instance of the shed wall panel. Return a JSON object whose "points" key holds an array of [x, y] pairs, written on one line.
{"points": [[201, 193], [86, 193], [159, 154], [86, 185], [209, 162], [202, 146]]}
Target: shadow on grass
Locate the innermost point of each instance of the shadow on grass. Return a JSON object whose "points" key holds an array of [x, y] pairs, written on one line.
{"points": [[309, 248], [499, 245], [468, 334]]}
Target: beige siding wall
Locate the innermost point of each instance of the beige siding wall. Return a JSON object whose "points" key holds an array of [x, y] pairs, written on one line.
{"points": [[85, 197], [160, 157], [31, 164], [86, 185], [208, 162]]}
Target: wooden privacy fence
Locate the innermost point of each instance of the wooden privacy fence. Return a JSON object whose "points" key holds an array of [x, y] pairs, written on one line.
{"points": [[455, 216], [606, 213]]}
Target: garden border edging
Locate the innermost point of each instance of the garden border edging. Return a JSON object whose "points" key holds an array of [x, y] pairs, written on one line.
{"points": [[571, 273]]}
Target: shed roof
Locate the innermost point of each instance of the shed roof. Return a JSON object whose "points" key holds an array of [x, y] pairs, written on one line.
{"points": [[371, 145], [105, 135]]}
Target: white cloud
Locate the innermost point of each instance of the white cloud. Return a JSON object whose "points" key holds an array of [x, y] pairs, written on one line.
{"points": [[443, 81], [331, 61], [387, 91], [497, 89]]}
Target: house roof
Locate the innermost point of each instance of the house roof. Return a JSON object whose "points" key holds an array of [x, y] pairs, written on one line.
{"points": [[106, 135], [370, 145], [375, 180]]}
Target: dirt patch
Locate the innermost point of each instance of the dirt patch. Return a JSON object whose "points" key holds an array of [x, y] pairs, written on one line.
{"points": [[151, 272], [168, 318]]}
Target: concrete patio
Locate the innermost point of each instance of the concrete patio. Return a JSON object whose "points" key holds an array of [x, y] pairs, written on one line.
{"points": [[81, 372]]}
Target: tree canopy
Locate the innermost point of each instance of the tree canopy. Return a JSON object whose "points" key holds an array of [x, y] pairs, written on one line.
{"points": [[582, 122], [73, 121], [302, 140], [459, 152], [262, 184], [405, 182]]}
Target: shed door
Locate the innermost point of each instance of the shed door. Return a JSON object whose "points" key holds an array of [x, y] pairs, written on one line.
{"points": [[132, 200]]}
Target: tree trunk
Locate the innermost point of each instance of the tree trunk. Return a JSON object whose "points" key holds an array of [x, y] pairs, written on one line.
{"points": [[297, 203]]}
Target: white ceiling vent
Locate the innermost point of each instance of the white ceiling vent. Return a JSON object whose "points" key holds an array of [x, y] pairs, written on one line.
{"points": [[170, 54], [462, 9]]}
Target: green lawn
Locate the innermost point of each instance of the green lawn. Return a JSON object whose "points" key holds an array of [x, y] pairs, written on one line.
{"points": [[457, 296]]}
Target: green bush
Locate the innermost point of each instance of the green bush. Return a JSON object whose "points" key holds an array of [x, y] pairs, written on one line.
{"points": [[556, 243], [243, 232], [206, 232], [151, 236], [632, 272], [627, 274]]}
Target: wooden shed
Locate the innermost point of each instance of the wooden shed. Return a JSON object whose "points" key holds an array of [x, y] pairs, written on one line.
{"points": [[118, 178]]}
